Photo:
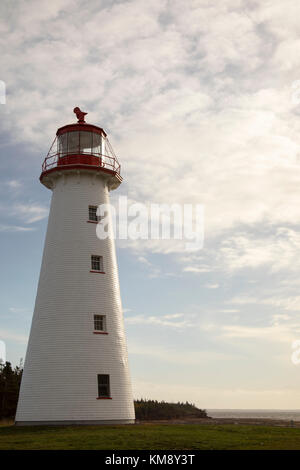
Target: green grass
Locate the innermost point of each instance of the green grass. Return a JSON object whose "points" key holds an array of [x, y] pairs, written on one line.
{"points": [[138, 437]]}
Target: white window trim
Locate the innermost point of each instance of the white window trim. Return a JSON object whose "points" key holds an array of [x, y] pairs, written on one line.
{"points": [[101, 263], [108, 386], [98, 218], [104, 330]]}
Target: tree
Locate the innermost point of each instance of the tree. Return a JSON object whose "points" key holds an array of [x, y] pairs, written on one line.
{"points": [[10, 380], [153, 409]]}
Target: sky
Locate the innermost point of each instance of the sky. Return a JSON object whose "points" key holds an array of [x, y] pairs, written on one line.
{"points": [[201, 102]]}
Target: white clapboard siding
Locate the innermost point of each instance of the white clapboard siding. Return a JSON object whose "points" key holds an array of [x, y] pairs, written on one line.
{"points": [[64, 356]]}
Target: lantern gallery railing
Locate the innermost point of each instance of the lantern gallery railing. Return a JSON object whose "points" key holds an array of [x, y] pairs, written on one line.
{"points": [[81, 147], [82, 158]]}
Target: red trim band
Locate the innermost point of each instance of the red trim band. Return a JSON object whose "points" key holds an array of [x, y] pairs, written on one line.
{"points": [[92, 222], [100, 332], [104, 398], [80, 159], [98, 272], [81, 167]]}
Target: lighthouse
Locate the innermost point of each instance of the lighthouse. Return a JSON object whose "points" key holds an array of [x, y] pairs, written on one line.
{"points": [[76, 367]]}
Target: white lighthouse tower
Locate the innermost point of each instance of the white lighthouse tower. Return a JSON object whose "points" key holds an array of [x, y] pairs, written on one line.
{"points": [[76, 368]]}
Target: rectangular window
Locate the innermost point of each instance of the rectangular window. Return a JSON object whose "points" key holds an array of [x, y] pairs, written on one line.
{"points": [[103, 386], [99, 323], [93, 217], [97, 263]]}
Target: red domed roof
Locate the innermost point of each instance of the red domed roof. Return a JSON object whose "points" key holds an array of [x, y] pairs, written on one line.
{"points": [[81, 127]]}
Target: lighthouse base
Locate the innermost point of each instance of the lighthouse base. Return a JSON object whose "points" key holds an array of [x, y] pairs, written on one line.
{"points": [[75, 422]]}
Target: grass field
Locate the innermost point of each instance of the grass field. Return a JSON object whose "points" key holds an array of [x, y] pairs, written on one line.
{"points": [[151, 437]]}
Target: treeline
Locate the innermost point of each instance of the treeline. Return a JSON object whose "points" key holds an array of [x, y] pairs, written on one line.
{"points": [[10, 380], [153, 409]]}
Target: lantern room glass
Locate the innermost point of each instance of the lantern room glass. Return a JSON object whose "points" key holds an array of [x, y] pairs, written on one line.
{"points": [[80, 142]]}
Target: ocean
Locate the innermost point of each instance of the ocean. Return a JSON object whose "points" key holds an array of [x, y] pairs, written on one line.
{"points": [[289, 415]]}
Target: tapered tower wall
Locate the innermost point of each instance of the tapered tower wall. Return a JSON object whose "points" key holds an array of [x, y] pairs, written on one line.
{"points": [[64, 354]]}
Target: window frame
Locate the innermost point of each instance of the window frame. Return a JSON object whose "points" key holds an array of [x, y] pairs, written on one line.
{"points": [[98, 218], [101, 318], [101, 264], [107, 384]]}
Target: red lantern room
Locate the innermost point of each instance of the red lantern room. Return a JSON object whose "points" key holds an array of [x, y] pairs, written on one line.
{"points": [[81, 146]]}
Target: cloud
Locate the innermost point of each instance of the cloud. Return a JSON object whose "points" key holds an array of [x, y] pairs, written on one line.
{"points": [[229, 310], [279, 317], [198, 105], [144, 260], [278, 298], [18, 310], [171, 320], [208, 396], [276, 250], [154, 271], [12, 336], [192, 99], [14, 184], [275, 333], [127, 310], [26, 213], [289, 303], [173, 315], [15, 228], [169, 355], [284, 301], [196, 269], [244, 300], [30, 213]]}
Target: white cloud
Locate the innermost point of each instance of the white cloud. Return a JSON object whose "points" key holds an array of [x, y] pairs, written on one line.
{"points": [[14, 228], [12, 336], [171, 320], [18, 310], [173, 315], [280, 327], [276, 250], [127, 310], [289, 303], [170, 355], [14, 184], [229, 310], [185, 97], [144, 260], [244, 300], [154, 271], [278, 298], [196, 269], [277, 318], [270, 333], [209, 396], [198, 105], [30, 213]]}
